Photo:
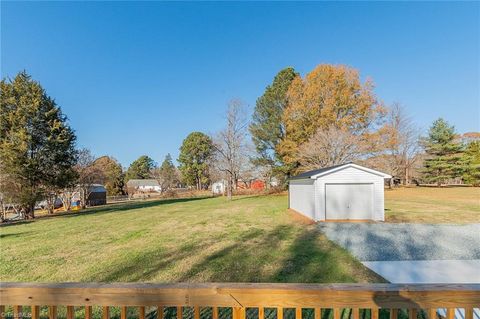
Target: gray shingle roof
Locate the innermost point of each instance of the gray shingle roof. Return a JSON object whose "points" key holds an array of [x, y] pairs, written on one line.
{"points": [[316, 171]]}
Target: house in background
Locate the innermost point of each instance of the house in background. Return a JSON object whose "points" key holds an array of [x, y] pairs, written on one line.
{"points": [[143, 186], [343, 192]]}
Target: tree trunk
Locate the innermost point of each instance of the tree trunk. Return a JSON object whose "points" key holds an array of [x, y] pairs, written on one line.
{"points": [[406, 176], [229, 187], [83, 198]]}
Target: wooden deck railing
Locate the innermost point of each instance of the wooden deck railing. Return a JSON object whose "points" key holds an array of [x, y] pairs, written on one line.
{"points": [[240, 297]]}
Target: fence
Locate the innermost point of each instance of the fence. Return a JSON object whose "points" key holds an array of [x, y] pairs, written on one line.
{"points": [[237, 301]]}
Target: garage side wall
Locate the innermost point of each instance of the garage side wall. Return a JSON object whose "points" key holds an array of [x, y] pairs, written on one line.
{"points": [[302, 196], [351, 175]]}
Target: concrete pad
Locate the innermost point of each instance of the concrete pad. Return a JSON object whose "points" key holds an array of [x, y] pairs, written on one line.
{"points": [[427, 271]]}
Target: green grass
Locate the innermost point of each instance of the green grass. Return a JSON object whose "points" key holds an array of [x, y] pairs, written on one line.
{"points": [[250, 239], [433, 205]]}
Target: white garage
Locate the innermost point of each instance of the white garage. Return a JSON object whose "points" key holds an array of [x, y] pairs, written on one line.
{"points": [[343, 192]]}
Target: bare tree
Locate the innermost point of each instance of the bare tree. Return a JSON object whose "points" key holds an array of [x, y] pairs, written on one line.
{"points": [[88, 174], [331, 146], [231, 145], [402, 145]]}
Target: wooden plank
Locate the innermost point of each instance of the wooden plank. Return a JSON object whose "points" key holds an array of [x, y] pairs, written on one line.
{"points": [[450, 313], [196, 312], [468, 313], [261, 313], [336, 313], [17, 312], [179, 312], [70, 313], [105, 312], [123, 312], [35, 312], [432, 313], [393, 313], [243, 312], [52, 312], [245, 295], [279, 313], [215, 313], [298, 313], [356, 313], [88, 312], [238, 313], [318, 313], [412, 313], [159, 312], [141, 312], [374, 313]]}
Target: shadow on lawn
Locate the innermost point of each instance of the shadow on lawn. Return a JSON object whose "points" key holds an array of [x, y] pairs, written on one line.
{"points": [[255, 256], [109, 208], [128, 206]]}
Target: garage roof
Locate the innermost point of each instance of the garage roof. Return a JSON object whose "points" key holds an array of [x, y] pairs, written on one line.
{"points": [[326, 170]]}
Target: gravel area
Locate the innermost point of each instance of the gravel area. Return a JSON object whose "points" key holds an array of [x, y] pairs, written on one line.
{"points": [[390, 242]]}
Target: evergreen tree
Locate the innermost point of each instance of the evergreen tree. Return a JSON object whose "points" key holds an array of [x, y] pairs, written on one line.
{"points": [[267, 128], [195, 154], [141, 168], [37, 146], [471, 163], [166, 174], [444, 153]]}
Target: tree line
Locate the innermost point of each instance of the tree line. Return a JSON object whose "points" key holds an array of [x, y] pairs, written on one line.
{"points": [[327, 117]]}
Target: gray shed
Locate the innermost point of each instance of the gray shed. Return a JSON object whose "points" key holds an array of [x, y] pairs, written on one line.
{"points": [[343, 192]]}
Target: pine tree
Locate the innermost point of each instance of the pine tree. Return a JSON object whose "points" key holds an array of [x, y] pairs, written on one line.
{"points": [[444, 154], [195, 154], [141, 168], [37, 146], [267, 126], [471, 163], [166, 174]]}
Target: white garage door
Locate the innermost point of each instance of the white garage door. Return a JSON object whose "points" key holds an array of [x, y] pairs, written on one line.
{"points": [[349, 201]]}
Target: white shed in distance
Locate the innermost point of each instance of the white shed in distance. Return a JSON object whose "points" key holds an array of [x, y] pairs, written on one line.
{"points": [[343, 192]]}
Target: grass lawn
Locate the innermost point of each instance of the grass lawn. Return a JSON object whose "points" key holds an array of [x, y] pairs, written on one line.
{"points": [[433, 205], [250, 239]]}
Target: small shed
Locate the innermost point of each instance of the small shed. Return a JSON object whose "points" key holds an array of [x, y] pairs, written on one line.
{"points": [[97, 195], [219, 187], [342, 192]]}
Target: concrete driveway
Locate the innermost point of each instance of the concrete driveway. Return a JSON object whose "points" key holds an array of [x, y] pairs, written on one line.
{"points": [[412, 253]]}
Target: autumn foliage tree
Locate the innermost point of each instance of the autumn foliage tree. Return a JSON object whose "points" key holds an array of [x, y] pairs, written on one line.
{"points": [[330, 95], [112, 175]]}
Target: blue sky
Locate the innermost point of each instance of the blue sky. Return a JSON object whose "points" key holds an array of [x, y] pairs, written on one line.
{"points": [[136, 78]]}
